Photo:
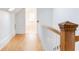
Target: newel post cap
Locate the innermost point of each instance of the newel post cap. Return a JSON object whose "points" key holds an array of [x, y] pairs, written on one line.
{"points": [[68, 26]]}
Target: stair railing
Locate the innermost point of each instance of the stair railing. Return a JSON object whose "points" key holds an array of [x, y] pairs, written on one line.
{"points": [[67, 36]]}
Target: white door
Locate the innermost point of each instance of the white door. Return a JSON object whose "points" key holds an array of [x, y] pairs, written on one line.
{"points": [[31, 18], [20, 22]]}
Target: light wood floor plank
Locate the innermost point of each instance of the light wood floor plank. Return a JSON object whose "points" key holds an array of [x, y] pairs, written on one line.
{"points": [[29, 42]]}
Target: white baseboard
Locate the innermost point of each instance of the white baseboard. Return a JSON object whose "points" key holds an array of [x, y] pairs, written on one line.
{"points": [[6, 39]]}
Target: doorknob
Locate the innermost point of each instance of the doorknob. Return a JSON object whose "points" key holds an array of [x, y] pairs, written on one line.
{"points": [[37, 21]]}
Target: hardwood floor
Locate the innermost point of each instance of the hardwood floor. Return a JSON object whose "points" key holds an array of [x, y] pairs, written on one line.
{"points": [[28, 42]]}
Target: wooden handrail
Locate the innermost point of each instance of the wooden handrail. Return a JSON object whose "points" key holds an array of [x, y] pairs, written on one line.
{"points": [[76, 38], [52, 29]]}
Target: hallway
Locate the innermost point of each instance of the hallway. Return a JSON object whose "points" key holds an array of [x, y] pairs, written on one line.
{"points": [[25, 42]]}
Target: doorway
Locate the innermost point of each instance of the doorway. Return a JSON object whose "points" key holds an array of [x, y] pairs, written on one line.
{"points": [[31, 18], [20, 21]]}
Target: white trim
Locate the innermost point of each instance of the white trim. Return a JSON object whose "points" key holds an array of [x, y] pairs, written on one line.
{"points": [[6, 40]]}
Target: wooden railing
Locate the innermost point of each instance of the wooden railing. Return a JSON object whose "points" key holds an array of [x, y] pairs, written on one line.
{"points": [[67, 36], [51, 29], [76, 38]]}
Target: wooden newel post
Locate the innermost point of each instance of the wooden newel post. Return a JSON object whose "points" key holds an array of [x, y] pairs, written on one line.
{"points": [[67, 38]]}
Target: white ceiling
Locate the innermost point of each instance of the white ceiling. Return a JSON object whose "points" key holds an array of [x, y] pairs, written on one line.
{"points": [[14, 11], [5, 9], [17, 10]]}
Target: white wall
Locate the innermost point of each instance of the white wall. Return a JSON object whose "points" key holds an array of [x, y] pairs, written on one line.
{"points": [[12, 17], [6, 26], [20, 22], [48, 39], [65, 14], [44, 15]]}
